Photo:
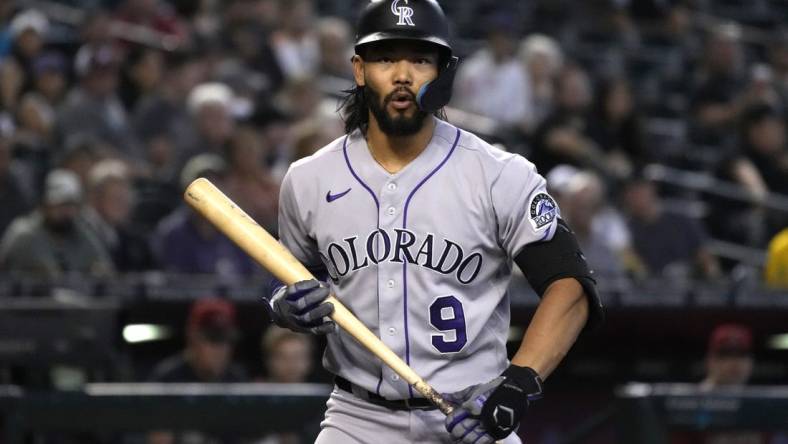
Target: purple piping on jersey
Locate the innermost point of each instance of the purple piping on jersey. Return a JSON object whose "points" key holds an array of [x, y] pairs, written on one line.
{"points": [[353, 172], [377, 205], [405, 263]]}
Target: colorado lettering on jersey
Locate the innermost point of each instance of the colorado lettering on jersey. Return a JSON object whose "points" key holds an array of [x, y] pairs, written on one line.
{"points": [[402, 246]]}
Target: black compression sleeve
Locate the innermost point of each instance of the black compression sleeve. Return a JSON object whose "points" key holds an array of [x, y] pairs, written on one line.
{"points": [[543, 263]]}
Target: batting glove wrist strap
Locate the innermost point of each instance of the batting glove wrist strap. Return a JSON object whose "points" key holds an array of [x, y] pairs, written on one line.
{"points": [[527, 379], [509, 401]]}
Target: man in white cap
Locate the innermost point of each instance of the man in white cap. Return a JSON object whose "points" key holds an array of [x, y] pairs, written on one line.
{"points": [[52, 241]]}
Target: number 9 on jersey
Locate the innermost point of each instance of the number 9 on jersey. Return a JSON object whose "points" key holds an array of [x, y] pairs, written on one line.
{"points": [[447, 316]]}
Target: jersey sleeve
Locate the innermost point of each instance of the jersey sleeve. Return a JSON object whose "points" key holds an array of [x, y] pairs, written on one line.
{"points": [[524, 211], [293, 231]]}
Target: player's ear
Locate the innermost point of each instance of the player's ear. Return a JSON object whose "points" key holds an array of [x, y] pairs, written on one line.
{"points": [[358, 70]]}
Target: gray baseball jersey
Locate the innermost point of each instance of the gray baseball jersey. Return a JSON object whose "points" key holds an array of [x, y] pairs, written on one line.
{"points": [[422, 257]]}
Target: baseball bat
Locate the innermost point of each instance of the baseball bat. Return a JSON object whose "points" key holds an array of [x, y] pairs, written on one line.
{"points": [[231, 220]]}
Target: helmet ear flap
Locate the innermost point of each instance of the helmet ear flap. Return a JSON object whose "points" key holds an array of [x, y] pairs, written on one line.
{"points": [[436, 94]]}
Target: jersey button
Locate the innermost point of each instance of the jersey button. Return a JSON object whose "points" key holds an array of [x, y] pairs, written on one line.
{"points": [[391, 211], [392, 331], [392, 186], [390, 283], [395, 377]]}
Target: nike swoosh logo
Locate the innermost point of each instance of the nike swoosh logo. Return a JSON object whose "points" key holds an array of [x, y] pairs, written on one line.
{"points": [[332, 197]]}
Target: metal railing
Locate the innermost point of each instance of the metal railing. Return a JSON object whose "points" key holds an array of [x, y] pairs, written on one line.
{"points": [[707, 183]]}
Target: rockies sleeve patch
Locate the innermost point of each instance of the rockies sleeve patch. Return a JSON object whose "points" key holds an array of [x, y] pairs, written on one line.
{"points": [[542, 210]]}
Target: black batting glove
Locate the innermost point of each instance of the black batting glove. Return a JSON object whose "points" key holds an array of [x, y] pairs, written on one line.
{"points": [[300, 308], [508, 402]]}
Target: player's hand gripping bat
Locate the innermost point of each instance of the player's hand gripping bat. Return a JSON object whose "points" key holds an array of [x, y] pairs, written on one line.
{"points": [[231, 220]]}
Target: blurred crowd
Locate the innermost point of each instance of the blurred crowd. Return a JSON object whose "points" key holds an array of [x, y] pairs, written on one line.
{"points": [[108, 108], [211, 335]]}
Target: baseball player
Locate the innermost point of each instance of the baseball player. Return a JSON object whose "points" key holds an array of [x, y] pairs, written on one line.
{"points": [[415, 225]]}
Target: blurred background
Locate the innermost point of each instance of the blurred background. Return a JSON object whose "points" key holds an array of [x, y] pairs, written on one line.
{"points": [[659, 124]]}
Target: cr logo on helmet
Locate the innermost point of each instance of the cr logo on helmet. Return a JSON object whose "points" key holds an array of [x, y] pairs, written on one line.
{"points": [[403, 12]]}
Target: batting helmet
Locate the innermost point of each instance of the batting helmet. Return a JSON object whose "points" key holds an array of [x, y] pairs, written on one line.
{"points": [[420, 20]]}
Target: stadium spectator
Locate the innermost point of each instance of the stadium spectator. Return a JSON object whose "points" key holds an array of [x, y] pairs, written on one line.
{"points": [[110, 200], [52, 240], [778, 58], [35, 145], [765, 145], [185, 242], [97, 28], [254, 65], [93, 106], [50, 73], [335, 40], [80, 153], [600, 230], [34, 136], [729, 365], [300, 98], [759, 166], [276, 130], [729, 358], [543, 59], [157, 189], [211, 332], [287, 355], [717, 99], [309, 134], [13, 199], [27, 30], [563, 138], [141, 74], [669, 244], [249, 182], [295, 43], [210, 105], [493, 76], [288, 359], [615, 127], [163, 121]]}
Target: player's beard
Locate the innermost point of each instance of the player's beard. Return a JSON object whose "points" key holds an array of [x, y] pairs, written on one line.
{"points": [[396, 126]]}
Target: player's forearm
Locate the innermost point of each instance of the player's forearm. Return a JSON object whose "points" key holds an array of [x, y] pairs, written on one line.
{"points": [[554, 328]]}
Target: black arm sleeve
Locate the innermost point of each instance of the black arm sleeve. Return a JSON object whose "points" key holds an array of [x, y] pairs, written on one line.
{"points": [[543, 263]]}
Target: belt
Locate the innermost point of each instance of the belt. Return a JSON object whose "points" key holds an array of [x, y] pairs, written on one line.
{"points": [[374, 398]]}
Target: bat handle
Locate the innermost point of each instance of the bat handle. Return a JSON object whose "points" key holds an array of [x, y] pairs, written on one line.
{"points": [[433, 396]]}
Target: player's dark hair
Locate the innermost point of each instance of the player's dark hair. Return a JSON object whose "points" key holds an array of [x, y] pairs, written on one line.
{"points": [[353, 110], [355, 113]]}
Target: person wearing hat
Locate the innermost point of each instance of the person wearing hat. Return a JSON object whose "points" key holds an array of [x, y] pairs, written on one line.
{"points": [[27, 31], [729, 359], [211, 332], [50, 76], [729, 363], [52, 240]]}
